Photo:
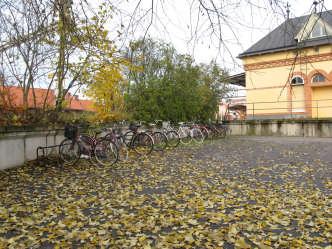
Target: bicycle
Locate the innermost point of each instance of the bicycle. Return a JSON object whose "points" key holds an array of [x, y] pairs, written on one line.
{"points": [[189, 133], [76, 146], [215, 133], [159, 138], [117, 138], [139, 141], [184, 133], [206, 132], [223, 129], [173, 137], [197, 134]]}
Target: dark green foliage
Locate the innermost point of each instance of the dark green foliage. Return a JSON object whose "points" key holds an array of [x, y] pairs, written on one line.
{"points": [[170, 86]]}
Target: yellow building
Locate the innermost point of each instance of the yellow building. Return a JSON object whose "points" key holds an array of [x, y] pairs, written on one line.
{"points": [[289, 71]]}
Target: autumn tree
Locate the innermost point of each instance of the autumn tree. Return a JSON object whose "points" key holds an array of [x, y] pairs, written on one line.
{"points": [[83, 44], [107, 91]]}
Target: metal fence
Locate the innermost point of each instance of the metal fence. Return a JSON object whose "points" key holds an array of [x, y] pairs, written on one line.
{"points": [[280, 109]]}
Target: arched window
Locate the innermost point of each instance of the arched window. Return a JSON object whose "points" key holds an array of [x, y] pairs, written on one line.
{"points": [[318, 78], [297, 80]]}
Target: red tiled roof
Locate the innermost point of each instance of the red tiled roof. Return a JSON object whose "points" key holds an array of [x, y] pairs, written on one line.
{"points": [[12, 96], [74, 103]]}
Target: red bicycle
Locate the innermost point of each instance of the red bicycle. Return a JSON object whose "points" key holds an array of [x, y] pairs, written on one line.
{"points": [[76, 146]]}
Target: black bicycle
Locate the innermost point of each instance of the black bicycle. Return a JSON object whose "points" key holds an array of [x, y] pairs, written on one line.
{"points": [[139, 141], [159, 138]]}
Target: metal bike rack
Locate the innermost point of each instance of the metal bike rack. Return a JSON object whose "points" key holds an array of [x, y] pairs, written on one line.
{"points": [[44, 154]]}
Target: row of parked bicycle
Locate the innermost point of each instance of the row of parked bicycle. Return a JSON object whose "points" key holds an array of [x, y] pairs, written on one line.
{"points": [[109, 145]]}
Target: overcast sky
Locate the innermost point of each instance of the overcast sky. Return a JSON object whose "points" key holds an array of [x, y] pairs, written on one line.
{"points": [[174, 21]]}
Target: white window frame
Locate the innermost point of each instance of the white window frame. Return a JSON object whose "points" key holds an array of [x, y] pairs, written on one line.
{"points": [[321, 31], [297, 84]]}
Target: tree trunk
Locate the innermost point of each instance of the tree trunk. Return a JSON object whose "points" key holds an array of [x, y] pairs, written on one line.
{"points": [[62, 6]]}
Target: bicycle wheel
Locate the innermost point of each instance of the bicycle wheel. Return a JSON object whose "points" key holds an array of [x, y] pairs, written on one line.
{"points": [[142, 144], [197, 135], [87, 147], [185, 136], [106, 152], [173, 138], [222, 132], [205, 132], [215, 133], [69, 151], [159, 141], [127, 137], [123, 152]]}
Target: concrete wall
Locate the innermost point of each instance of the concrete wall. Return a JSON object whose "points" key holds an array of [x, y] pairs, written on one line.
{"points": [[19, 147], [299, 128]]}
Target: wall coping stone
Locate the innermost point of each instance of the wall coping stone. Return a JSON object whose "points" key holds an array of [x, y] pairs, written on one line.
{"points": [[278, 121]]}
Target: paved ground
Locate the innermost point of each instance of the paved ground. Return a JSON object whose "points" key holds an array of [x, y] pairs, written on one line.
{"points": [[241, 192]]}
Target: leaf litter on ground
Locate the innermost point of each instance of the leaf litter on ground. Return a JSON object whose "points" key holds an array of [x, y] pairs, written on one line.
{"points": [[231, 193]]}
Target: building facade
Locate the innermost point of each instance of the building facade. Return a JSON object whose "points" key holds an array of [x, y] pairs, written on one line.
{"points": [[288, 72]]}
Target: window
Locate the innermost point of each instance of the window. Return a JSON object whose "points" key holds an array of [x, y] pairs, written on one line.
{"points": [[318, 78], [318, 31], [297, 80]]}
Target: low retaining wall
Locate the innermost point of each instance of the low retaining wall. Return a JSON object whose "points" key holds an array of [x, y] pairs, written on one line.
{"points": [[19, 147], [299, 128]]}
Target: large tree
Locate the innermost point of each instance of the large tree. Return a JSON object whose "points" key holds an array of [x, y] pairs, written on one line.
{"points": [[170, 86]]}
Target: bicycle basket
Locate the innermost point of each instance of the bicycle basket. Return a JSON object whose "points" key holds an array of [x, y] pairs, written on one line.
{"points": [[71, 131]]}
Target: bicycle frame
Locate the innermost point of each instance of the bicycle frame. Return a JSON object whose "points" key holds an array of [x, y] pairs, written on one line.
{"points": [[184, 131]]}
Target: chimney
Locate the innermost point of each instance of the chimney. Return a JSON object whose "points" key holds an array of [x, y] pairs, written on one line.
{"points": [[287, 10]]}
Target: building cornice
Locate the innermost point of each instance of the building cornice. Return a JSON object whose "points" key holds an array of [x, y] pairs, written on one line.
{"points": [[288, 62]]}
